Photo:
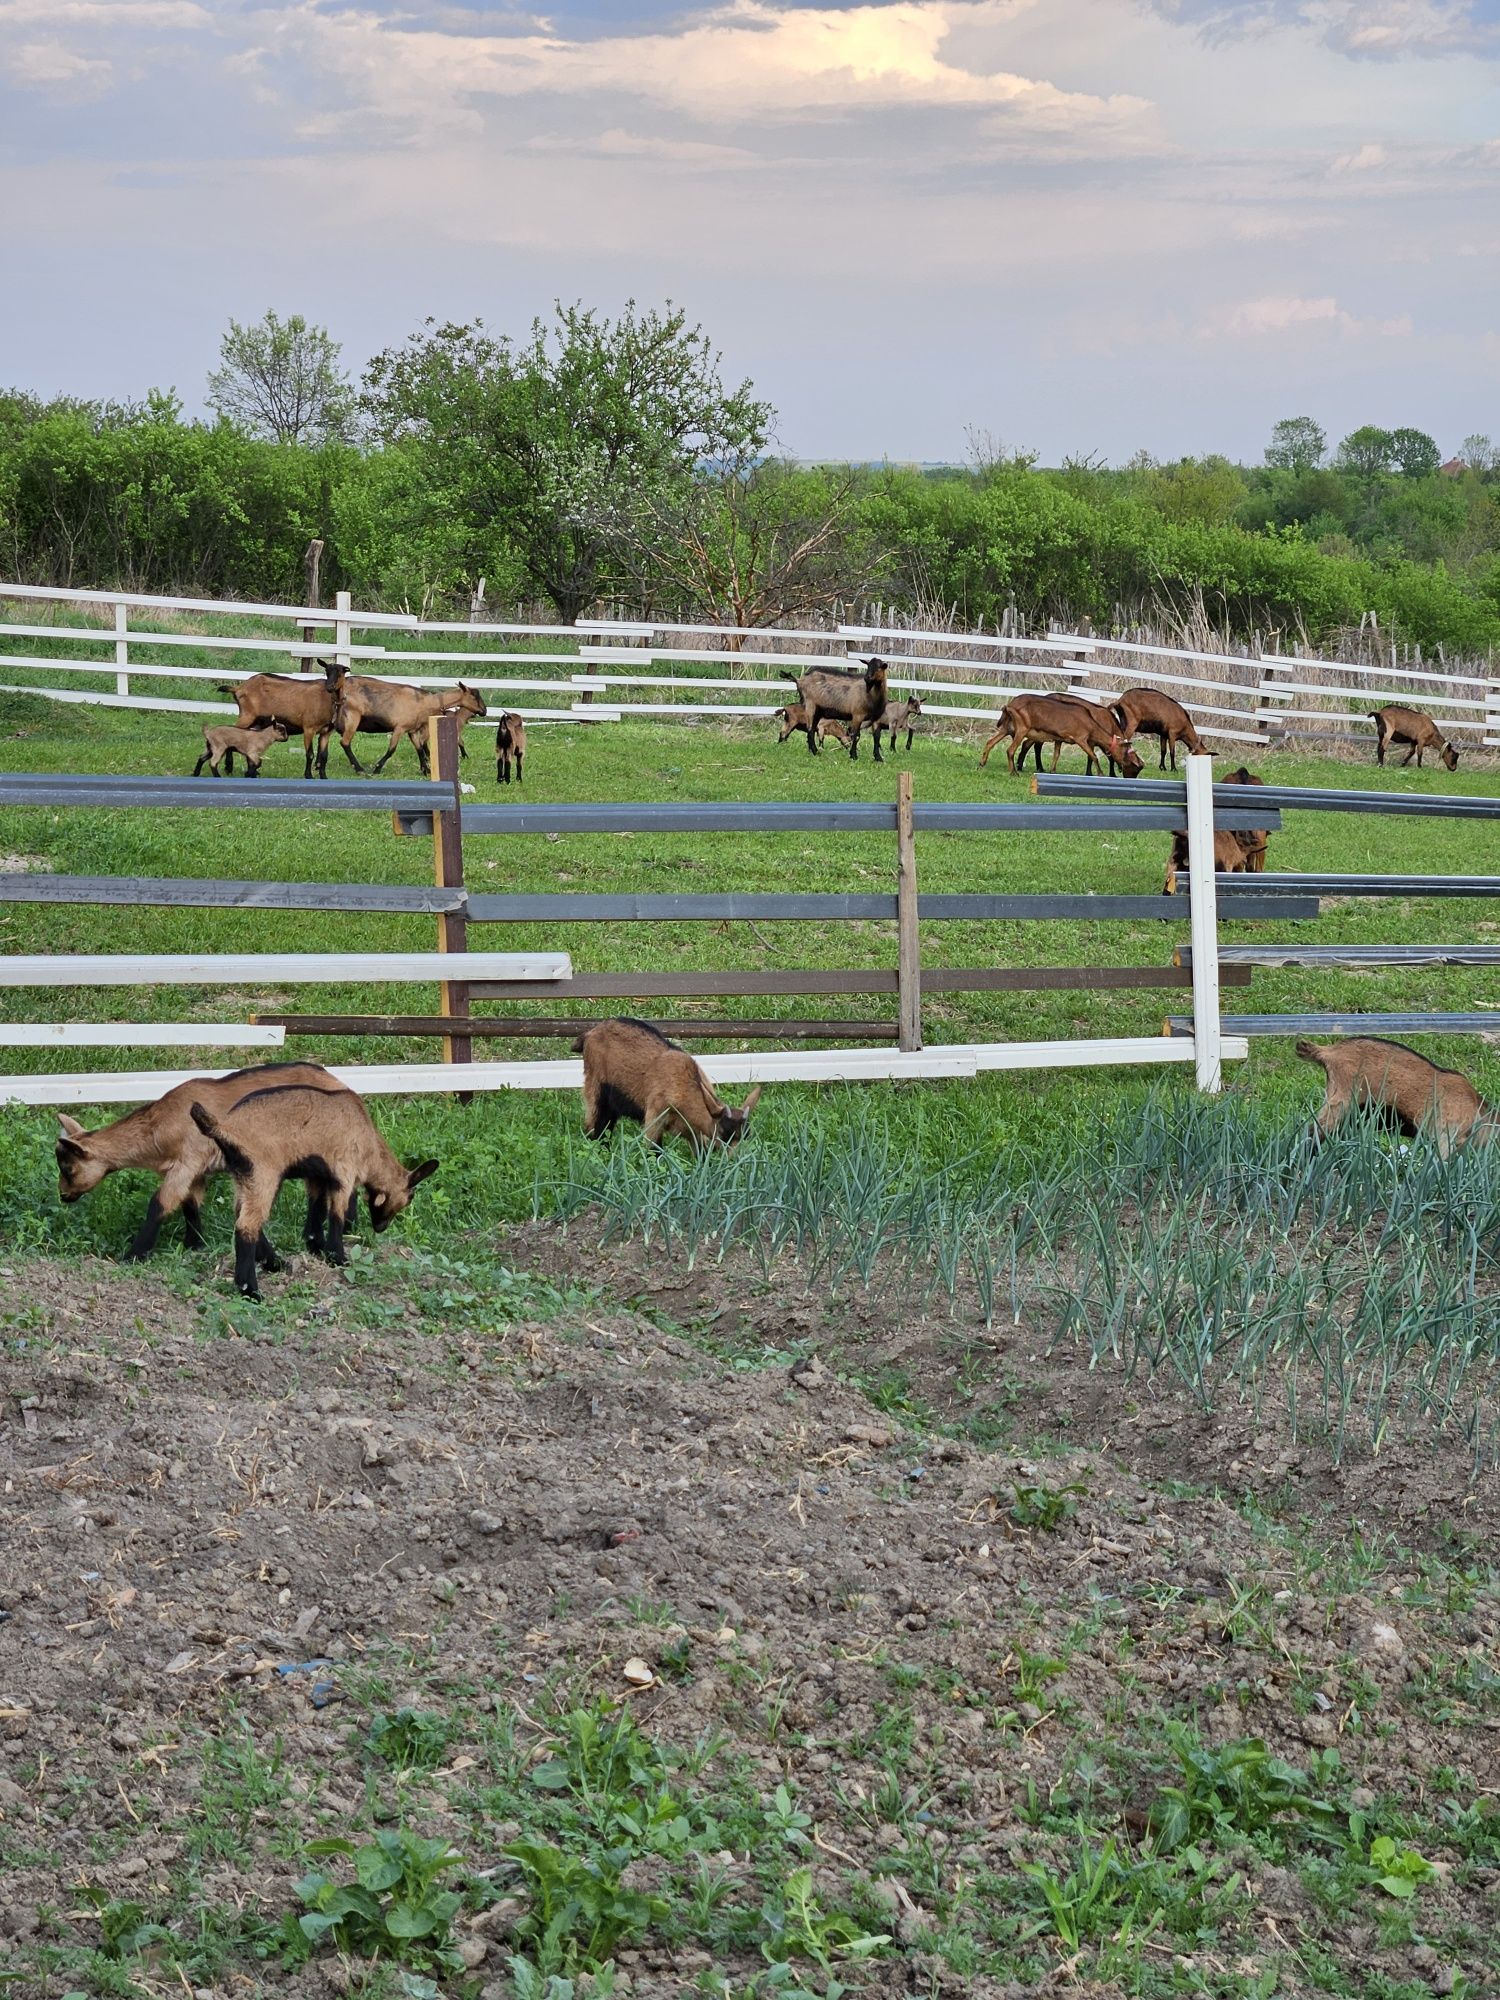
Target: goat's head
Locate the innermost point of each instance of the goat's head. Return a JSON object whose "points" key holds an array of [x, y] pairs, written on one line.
{"points": [[279, 732], [913, 706], [387, 1203], [730, 1123], [470, 701], [1450, 756], [335, 673], [784, 717], [875, 672], [79, 1166], [1124, 755]]}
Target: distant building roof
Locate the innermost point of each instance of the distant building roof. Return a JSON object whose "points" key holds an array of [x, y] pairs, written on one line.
{"points": [[1453, 468]]}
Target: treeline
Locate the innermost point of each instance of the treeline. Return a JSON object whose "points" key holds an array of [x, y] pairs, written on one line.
{"points": [[604, 463]]}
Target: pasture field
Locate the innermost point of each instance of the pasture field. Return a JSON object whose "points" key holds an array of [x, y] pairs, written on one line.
{"points": [[1027, 1535]]}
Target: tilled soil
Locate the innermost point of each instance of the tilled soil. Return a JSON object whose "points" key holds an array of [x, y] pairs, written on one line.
{"points": [[191, 1501]]}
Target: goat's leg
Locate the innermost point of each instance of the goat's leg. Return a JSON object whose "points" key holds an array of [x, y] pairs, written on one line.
{"points": [[192, 1224], [1380, 743], [267, 1255], [339, 1199], [1413, 752], [855, 745], [998, 737], [200, 763], [307, 751], [144, 1240], [317, 1220], [390, 750], [812, 731], [346, 738], [520, 761]]}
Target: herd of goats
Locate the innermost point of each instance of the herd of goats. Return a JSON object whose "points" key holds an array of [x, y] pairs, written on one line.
{"points": [[834, 704], [297, 1121]]}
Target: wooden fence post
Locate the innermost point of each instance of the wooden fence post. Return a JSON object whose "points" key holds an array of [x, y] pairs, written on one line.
{"points": [[448, 864], [908, 939], [122, 649], [1203, 909], [312, 562]]}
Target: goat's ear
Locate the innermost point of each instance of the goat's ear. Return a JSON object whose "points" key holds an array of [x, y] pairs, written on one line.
{"points": [[416, 1175], [751, 1101], [68, 1128]]}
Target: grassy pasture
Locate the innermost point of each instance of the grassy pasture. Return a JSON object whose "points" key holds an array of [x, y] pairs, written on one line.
{"points": [[1012, 1487]]}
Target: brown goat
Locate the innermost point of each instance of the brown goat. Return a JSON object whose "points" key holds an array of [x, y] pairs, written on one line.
{"points": [[1230, 858], [220, 746], [1406, 1089], [510, 747], [304, 706], [1410, 726], [1146, 712], [323, 1137], [378, 708], [896, 717], [853, 698], [162, 1139], [799, 716], [631, 1071], [1253, 839], [1030, 720]]}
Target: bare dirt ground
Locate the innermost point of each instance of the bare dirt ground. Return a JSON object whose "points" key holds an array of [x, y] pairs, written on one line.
{"points": [[949, 1594]]}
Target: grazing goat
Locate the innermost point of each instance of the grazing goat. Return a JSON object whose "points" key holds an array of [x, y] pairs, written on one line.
{"points": [[1030, 720], [1230, 858], [305, 706], [1145, 712], [162, 1139], [1410, 726], [855, 699], [1406, 1089], [220, 745], [799, 716], [380, 708], [1253, 839], [631, 1070], [897, 716], [323, 1137], [510, 747]]}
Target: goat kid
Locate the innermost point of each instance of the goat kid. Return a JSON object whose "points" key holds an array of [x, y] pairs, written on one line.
{"points": [[1407, 1090], [510, 748], [325, 1138], [162, 1139], [631, 1071], [1255, 839], [799, 716], [220, 746], [897, 715]]}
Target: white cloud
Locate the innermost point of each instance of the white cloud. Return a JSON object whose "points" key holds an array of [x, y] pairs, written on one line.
{"points": [[1361, 160], [114, 14], [1254, 318], [51, 66], [748, 59]]}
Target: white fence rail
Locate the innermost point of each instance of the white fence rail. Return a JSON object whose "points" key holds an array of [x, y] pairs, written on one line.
{"points": [[605, 673]]}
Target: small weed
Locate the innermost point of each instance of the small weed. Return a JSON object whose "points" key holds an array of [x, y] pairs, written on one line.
{"points": [[581, 1911], [1397, 1869], [1045, 1507], [797, 1926], [1239, 1789], [411, 1739], [394, 1908]]}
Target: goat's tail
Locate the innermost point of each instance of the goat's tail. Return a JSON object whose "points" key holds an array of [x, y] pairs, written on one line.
{"points": [[236, 1159], [1313, 1052], [225, 689]]}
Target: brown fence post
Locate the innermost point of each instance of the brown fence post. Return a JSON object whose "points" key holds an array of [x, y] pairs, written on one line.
{"points": [[448, 862], [908, 941]]}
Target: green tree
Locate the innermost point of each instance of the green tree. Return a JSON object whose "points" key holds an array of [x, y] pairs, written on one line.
{"points": [[1297, 445], [1367, 452], [1479, 454], [280, 379], [569, 438], [1415, 453]]}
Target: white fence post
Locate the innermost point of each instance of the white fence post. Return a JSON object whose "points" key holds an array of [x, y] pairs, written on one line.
{"points": [[1203, 908], [122, 649], [343, 603], [1492, 714]]}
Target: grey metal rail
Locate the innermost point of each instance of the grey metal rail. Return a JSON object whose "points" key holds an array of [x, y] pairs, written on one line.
{"points": [[1387, 957], [1310, 798], [775, 908], [1346, 1024], [188, 893], [687, 817], [1237, 889]]}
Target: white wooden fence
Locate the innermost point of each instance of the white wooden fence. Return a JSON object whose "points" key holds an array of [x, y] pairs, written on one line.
{"points": [[604, 670]]}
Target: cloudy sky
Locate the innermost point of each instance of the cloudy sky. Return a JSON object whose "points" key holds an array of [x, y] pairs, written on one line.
{"points": [[1077, 225]]}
